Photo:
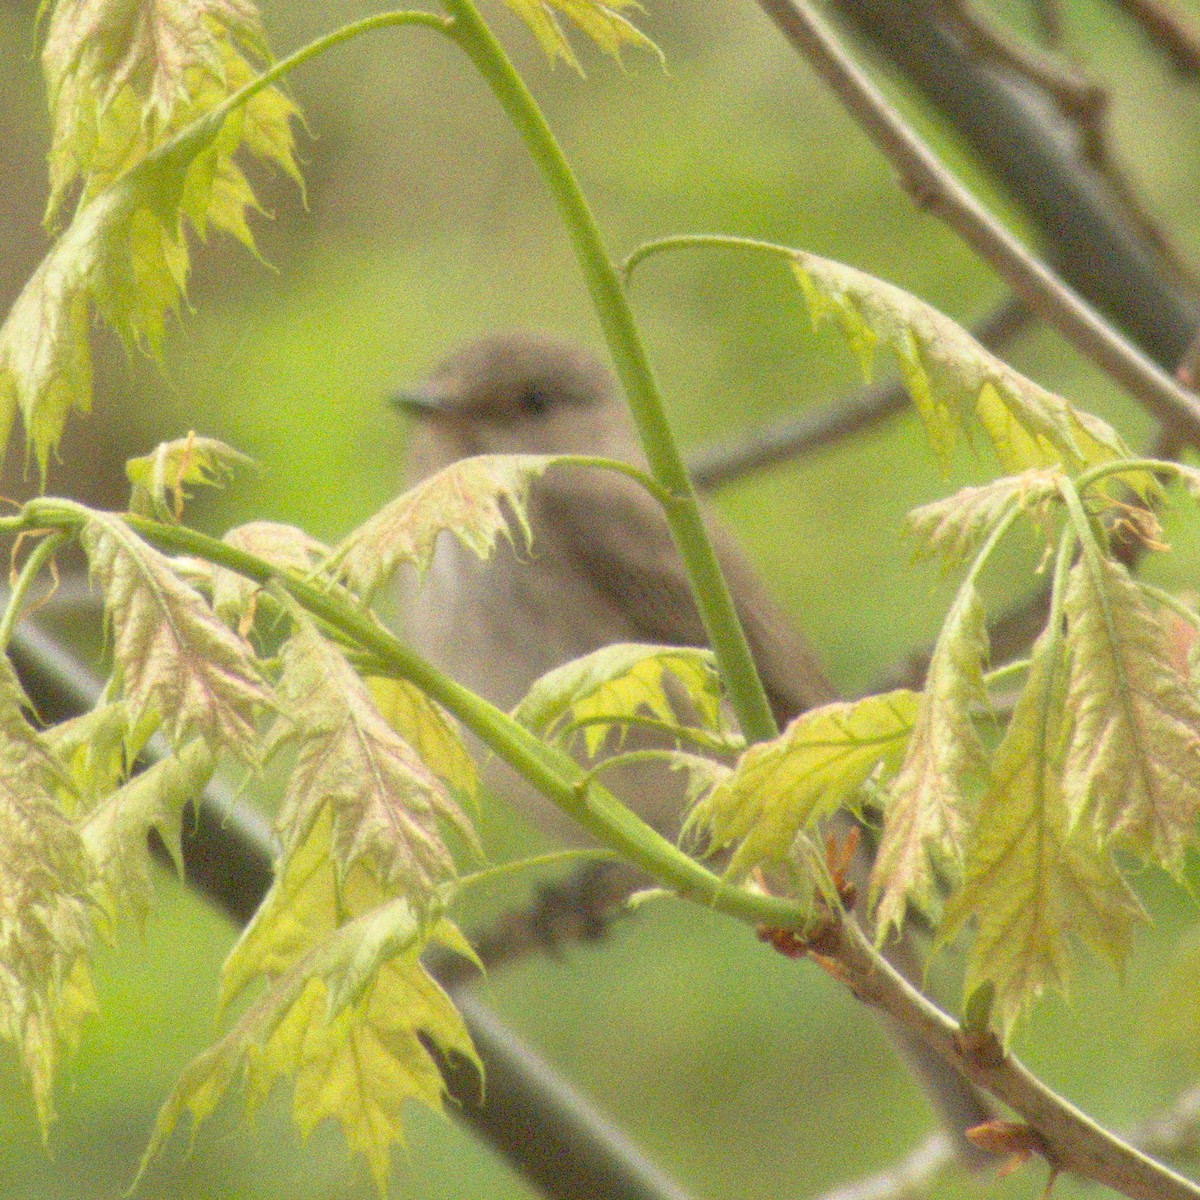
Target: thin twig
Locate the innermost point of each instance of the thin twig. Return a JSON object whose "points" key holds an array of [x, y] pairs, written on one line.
{"points": [[793, 436], [1169, 30], [933, 187]]}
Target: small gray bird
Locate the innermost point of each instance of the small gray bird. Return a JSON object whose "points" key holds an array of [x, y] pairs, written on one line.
{"points": [[603, 569]]}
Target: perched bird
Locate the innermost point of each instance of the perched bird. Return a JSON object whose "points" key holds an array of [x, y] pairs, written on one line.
{"points": [[603, 569]]}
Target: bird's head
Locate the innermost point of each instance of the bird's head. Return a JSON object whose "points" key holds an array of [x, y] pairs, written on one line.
{"points": [[515, 393]]}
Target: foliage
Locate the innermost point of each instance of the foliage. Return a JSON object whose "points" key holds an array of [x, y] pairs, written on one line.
{"points": [[263, 646]]}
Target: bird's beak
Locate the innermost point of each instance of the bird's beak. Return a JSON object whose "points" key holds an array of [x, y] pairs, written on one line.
{"points": [[421, 399]]}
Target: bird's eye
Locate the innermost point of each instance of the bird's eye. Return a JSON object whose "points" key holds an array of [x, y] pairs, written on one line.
{"points": [[533, 401]]}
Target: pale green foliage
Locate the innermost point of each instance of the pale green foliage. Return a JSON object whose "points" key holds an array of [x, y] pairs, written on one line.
{"points": [[233, 595], [116, 831], [952, 377], [603, 22], [125, 76], [158, 478], [385, 802], [341, 1014], [469, 499], [926, 803], [603, 690], [430, 731], [1133, 756], [817, 765], [1032, 879], [175, 659], [45, 903], [94, 752], [957, 526]]}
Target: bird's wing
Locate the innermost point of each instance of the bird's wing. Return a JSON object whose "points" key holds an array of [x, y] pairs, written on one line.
{"points": [[608, 527]]}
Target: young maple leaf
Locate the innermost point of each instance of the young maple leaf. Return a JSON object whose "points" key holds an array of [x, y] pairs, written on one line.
{"points": [[949, 375], [958, 525], [350, 1021], [124, 75], [1032, 879], [158, 478], [125, 253], [45, 903], [175, 659], [233, 595], [814, 767], [603, 22], [1133, 758], [609, 687], [924, 815], [471, 499], [384, 801], [116, 832]]}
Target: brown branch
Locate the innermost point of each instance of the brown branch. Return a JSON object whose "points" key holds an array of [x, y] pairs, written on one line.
{"points": [[1169, 30], [933, 187], [717, 466], [1070, 1140]]}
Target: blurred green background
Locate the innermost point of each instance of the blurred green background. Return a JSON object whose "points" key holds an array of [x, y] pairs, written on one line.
{"points": [[424, 225]]}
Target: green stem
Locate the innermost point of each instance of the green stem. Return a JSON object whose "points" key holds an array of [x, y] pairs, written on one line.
{"points": [[1124, 466], [550, 770], [518, 866], [691, 241], [725, 633], [38, 558], [1001, 675]]}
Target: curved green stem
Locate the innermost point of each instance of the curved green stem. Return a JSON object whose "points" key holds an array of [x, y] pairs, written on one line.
{"points": [[725, 633], [660, 493], [504, 870], [39, 556], [1123, 466], [550, 770], [691, 241]]}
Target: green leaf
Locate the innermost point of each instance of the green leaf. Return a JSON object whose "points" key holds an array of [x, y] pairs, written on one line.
{"points": [[1031, 880], [472, 499], [384, 801], [234, 596], [123, 77], [816, 766], [346, 1021], [951, 376], [606, 688], [116, 832], [175, 658], [1133, 758], [158, 478], [604, 23], [125, 252], [94, 752], [45, 904], [923, 820], [430, 731], [957, 526]]}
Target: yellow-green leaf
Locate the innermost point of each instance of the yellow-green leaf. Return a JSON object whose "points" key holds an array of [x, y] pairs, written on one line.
{"points": [[605, 689], [233, 595], [158, 478], [348, 1023], [175, 659], [473, 499], [45, 904], [1133, 759], [923, 820], [816, 766], [116, 832], [385, 803], [1031, 880], [952, 377], [603, 21], [958, 525]]}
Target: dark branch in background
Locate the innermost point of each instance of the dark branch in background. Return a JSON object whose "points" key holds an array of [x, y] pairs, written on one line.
{"points": [[720, 465], [1169, 30], [1018, 137], [545, 1129], [932, 186]]}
